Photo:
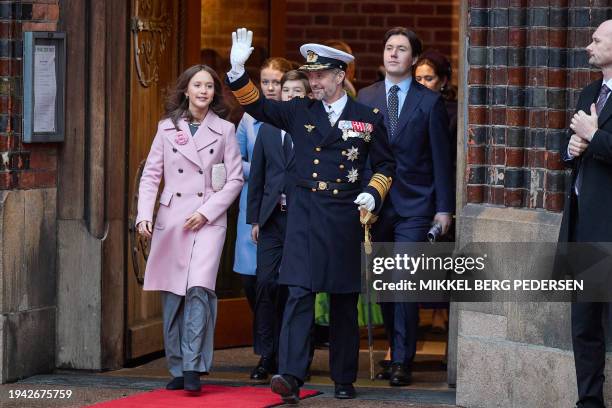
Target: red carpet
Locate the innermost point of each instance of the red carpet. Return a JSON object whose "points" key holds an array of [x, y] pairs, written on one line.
{"points": [[212, 396]]}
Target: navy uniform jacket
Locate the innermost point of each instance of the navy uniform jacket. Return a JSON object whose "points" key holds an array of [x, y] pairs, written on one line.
{"points": [[423, 185], [323, 251], [271, 175]]}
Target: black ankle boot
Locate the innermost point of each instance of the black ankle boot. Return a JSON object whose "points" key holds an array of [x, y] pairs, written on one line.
{"points": [[192, 381]]}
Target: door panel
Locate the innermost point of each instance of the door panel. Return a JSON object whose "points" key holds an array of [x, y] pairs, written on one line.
{"points": [[154, 66]]}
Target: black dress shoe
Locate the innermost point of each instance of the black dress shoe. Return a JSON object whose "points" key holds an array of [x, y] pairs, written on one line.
{"points": [[385, 373], [287, 387], [400, 375], [192, 381], [175, 384], [344, 391], [264, 368]]}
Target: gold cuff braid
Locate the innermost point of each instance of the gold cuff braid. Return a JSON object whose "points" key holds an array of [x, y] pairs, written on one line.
{"points": [[380, 183], [247, 94]]}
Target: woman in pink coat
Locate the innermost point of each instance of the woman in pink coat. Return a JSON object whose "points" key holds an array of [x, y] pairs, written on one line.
{"points": [[189, 231]]}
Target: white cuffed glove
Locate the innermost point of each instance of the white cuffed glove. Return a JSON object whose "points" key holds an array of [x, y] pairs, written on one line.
{"points": [[241, 51], [365, 200]]}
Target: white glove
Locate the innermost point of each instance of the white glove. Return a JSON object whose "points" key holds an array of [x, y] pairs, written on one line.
{"points": [[365, 200], [241, 49]]}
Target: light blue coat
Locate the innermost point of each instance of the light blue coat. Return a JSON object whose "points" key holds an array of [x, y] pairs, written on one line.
{"points": [[245, 258]]}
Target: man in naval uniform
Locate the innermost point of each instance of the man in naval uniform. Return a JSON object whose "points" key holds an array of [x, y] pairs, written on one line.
{"points": [[333, 136]]}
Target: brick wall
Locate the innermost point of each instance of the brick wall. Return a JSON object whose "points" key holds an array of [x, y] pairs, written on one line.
{"points": [[527, 64], [22, 166], [362, 25]]}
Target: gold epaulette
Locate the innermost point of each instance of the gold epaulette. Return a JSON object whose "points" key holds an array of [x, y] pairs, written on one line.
{"points": [[247, 94], [381, 183]]}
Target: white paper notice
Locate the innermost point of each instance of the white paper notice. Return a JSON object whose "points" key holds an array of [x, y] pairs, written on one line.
{"points": [[45, 88]]}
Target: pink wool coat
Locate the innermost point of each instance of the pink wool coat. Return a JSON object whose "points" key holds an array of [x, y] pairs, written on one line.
{"points": [[179, 258]]}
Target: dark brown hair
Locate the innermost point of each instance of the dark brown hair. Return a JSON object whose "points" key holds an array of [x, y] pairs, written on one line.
{"points": [[295, 75], [442, 68], [177, 104], [278, 63], [415, 41]]}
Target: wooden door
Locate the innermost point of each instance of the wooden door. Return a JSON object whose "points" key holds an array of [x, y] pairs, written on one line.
{"points": [[155, 61]]}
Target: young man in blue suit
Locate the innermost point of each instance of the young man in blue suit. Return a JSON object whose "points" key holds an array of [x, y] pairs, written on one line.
{"points": [[422, 192]]}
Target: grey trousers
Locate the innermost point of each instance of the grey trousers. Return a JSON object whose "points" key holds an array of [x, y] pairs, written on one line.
{"points": [[189, 328]]}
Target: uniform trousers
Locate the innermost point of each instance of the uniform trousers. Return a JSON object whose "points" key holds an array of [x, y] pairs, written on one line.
{"points": [[189, 326], [295, 337], [270, 296]]}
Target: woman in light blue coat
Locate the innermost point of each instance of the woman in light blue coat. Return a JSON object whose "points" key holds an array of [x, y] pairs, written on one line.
{"points": [[245, 259]]}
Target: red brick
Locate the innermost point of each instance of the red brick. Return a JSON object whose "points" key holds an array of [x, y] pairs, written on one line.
{"points": [[7, 181], [517, 37], [43, 159], [554, 202], [536, 158], [39, 11], [478, 37], [36, 179], [518, 3], [348, 34], [376, 20], [297, 6], [475, 194], [557, 78], [425, 10], [537, 37], [498, 37], [515, 117], [321, 33], [477, 115], [557, 38], [553, 161], [321, 20], [499, 76], [477, 76], [496, 196], [374, 34], [515, 157], [444, 10], [299, 19], [352, 7], [498, 116], [378, 8], [517, 76], [513, 197], [537, 118], [53, 12], [498, 156], [556, 119], [478, 4], [32, 26], [476, 155], [579, 78], [595, 76], [537, 76], [443, 35], [349, 20], [563, 3], [538, 3], [324, 7], [434, 22], [404, 21]]}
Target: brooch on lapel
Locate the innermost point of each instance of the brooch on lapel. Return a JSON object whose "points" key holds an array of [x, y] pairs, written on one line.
{"points": [[360, 130], [352, 175], [180, 138], [309, 128], [352, 153]]}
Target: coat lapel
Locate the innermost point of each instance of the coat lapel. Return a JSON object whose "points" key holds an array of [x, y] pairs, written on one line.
{"points": [[188, 149], [380, 101], [413, 99], [319, 118], [606, 112]]}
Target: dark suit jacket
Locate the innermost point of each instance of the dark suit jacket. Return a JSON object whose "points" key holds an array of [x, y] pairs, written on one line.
{"points": [[594, 202], [423, 183], [271, 175]]}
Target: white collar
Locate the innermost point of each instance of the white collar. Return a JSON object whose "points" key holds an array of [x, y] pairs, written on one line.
{"points": [[337, 106], [609, 83]]}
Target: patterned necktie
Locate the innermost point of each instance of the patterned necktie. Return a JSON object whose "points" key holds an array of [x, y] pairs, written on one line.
{"points": [[330, 115], [393, 105], [601, 100]]}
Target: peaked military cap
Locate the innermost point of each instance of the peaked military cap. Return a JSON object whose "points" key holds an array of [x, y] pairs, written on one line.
{"points": [[320, 57]]}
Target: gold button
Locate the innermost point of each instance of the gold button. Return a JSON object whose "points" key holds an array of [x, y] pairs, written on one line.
{"points": [[313, 189], [316, 161], [338, 180], [344, 152], [335, 191], [341, 166], [314, 175], [318, 149]]}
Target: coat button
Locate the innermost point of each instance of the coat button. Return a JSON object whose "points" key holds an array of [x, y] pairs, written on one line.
{"points": [[335, 192], [316, 161], [212, 151], [178, 194], [341, 166], [318, 149], [344, 152], [315, 175], [313, 189], [200, 171], [180, 170], [338, 180], [174, 149], [200, 194]]}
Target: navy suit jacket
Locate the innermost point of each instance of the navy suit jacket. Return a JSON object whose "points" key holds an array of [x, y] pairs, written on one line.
{"points": [[271, 175], [423, 183]]}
